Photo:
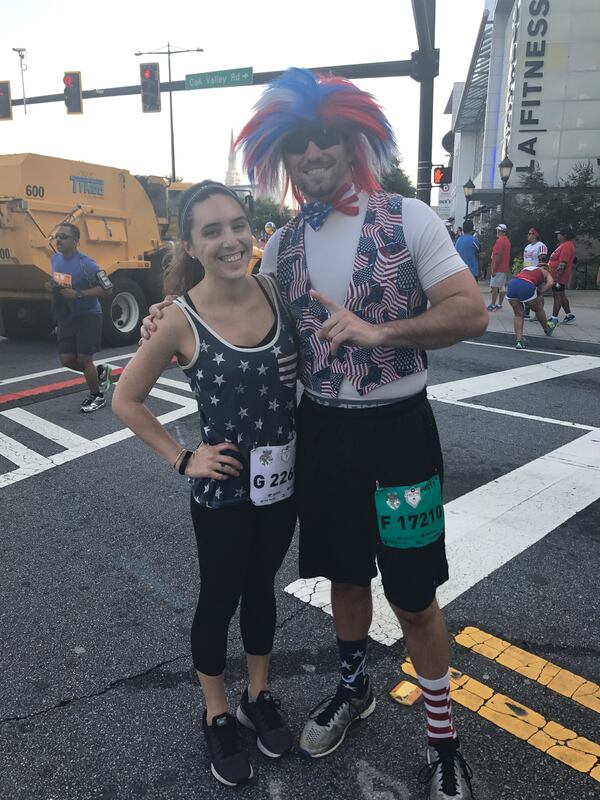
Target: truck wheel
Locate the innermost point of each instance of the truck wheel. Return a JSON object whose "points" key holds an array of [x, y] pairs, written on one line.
{"points": [[123, 313], [25, 320]]}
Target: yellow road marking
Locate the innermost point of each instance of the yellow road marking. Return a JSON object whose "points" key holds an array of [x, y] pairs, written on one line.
{"points": [[551, 738], [561, 681]]}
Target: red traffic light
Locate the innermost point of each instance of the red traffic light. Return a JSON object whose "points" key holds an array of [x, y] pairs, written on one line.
{"points": [[438, 175], [147, 73], [68, 80], [72, 92]]}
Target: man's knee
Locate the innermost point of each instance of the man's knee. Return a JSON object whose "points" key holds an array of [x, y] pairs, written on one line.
{"points": [[417, 619], [350, 592], [69, 360]]}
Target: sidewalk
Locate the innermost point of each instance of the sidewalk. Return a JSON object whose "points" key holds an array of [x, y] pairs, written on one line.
{"points": [[582, 336]]}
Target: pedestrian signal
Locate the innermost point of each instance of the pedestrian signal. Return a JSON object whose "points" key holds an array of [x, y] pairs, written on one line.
{"points": [[73, 97], [442, 175], [5, 101], [150, 87]]}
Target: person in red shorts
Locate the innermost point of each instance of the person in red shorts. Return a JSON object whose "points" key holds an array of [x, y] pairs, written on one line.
{"points": [[561, 266]]}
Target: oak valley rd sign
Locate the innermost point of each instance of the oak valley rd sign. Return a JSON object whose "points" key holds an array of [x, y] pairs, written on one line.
{"points": [[217, 80]]}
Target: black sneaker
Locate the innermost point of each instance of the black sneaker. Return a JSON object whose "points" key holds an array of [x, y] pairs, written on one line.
{"points": [[447, 773], [93, 403], [273, 737], [228, 761]]}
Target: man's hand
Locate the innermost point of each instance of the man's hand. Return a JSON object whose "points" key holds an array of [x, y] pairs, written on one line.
{"points": [[344, 327], [155, 312], [68, 294]]}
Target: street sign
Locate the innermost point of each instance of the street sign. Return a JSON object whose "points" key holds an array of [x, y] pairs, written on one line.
{"points": [[217, 80]]}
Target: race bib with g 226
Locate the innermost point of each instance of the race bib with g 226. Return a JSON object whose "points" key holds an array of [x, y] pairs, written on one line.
{"points": [[272, 473], [410, 516]]}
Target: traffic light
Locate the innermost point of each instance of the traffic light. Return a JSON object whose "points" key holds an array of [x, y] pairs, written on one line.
{"points": [[150, 86], [5, 102], [73, 98], [442, 175]]}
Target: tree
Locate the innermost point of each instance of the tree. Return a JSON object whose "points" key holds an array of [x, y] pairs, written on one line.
{"points": [[268, 211], [397, 181]]}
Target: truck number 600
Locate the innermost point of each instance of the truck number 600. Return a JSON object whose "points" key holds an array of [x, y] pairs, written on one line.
{"points": [[4, 254], [34, 191]]}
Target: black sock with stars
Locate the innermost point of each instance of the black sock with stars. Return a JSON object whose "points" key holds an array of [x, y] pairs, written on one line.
{"points": [[353, 665]]}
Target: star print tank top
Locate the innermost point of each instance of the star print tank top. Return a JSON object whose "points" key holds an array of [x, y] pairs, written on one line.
{"points": [[246, 395]]}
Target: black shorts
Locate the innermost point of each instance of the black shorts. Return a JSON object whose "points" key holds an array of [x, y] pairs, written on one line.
{"points": [[342, 454], [559, 287], [80, 334]]}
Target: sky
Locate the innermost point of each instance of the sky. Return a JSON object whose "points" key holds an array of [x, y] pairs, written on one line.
{"points": [[100, 40]]}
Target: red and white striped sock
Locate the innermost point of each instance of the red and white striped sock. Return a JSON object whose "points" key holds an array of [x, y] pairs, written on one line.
{"points": [[436, 694]]}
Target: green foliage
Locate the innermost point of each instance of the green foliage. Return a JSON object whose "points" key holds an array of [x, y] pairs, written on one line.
{"points": [[576, 202], [268, 211], [397, 181]]}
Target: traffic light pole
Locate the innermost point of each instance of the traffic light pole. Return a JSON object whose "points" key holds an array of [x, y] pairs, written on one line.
{"points": [[161, 52], [427, 67]]}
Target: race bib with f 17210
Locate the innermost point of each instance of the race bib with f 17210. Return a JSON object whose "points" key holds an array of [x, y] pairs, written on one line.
{"points": [[410, 516], [272, 473]]}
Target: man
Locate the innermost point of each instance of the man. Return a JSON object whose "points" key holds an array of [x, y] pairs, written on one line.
{"points": [[468, 248], [561, 266], [534, 252], [78, 313], [499, 267], [356, 269]]}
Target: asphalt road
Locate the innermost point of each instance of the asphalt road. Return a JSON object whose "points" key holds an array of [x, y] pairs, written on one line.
{"points": [[99, 581]]}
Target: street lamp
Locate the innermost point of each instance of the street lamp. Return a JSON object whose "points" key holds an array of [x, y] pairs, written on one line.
{"points": [[169, 52], [468, 189], [505, 167]]}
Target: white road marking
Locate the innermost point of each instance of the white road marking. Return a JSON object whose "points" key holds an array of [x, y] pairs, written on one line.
{"points": [[492, 524], [46, 429], [554, 353], [30, 463], [185, 387], [57, 371], [511, 378], [522, 415]]}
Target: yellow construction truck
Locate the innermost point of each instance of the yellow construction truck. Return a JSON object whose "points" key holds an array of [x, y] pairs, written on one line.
{"points": [[128, 225]]}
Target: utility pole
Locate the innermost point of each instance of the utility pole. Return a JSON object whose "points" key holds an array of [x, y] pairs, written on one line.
{"points": [[22, 52], [168, 51]]}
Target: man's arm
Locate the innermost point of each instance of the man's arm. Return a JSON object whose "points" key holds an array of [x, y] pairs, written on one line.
{"points": [[457, 312]]}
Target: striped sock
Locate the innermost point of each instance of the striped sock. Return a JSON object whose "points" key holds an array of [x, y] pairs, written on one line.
{"points": [[436, 693]]}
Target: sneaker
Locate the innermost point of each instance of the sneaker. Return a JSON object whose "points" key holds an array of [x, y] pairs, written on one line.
{"points": [[331, 718], [527, 317], [554, 320], [498, 308], [228, 761], [273, 737], [447, 773], [93, 403], [550, 329], [491, 307], [520, 345], [104, 375], [568, 319]]}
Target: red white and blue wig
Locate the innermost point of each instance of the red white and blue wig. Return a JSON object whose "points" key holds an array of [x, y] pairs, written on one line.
{"points": [[300, 98]]}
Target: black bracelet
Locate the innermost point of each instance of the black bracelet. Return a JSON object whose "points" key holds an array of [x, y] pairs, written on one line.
{"points": [[184, 461]]}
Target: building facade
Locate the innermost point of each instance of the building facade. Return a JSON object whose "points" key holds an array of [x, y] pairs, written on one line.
{"points": [[532, 94]]}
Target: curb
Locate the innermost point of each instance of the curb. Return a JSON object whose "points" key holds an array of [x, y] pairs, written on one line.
{"points": [[544, 343]]}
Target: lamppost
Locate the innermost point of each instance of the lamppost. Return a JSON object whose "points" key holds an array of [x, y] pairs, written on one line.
{"points": [[505, 167], [168, 52], [468, 189], [22, 53]]}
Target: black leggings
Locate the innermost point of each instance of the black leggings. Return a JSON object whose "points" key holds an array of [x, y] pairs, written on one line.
{"points": [[240, 549]]}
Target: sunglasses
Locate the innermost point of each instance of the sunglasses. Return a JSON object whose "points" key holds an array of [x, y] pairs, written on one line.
{"points": [[297, 142], [62, 236]]}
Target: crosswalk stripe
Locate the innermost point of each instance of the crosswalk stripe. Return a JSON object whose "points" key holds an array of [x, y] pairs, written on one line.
{"points": [[27, 460], [49, 430], [555, 740], [511, 378], [567, 684]]}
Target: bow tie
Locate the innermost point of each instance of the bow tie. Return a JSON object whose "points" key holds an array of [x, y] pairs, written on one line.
{"points": [[315, 213]]}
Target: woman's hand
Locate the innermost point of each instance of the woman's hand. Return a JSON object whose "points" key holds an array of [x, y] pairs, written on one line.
{"points": [[155, 312], [210, 461]]}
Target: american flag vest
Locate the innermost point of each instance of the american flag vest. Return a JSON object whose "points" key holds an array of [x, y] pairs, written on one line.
{"points": [[384, 287], [245, 395]]}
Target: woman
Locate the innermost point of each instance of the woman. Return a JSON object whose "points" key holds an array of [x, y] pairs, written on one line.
{"points": [[230, 335], [534, 252], [527, 288]]}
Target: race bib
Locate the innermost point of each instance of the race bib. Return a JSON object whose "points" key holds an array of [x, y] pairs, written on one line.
{"points": [[62, 279], [272, 473], [410, 516]]}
